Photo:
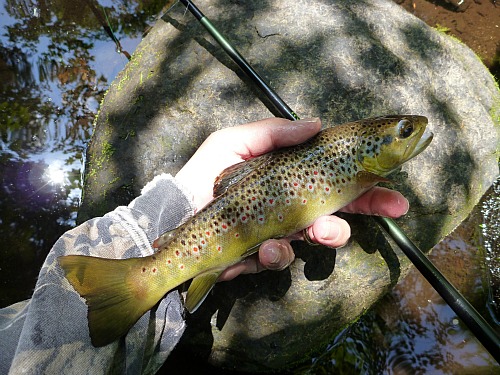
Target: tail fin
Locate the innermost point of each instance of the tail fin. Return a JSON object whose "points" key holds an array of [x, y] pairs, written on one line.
{"points": [[115, 296]]}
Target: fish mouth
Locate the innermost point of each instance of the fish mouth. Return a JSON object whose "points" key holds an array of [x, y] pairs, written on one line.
{"points": [[420, 146], [420, 142]]}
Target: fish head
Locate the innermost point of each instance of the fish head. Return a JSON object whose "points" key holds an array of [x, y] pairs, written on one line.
{"points": [[389, 141]]}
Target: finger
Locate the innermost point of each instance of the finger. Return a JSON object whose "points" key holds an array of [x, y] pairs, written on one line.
{"points": [[379, 201], [266, 135], [247, 265], [331, 231], [276, 254], [273, 255]]}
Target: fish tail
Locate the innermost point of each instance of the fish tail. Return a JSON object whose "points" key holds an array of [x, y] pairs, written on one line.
{"points": [[116, 294]]}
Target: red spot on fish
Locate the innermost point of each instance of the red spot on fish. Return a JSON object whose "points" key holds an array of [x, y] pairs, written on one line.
{"points": [[143, 269], [271, 201], [310, 187], [224, 226], [237, 235], [177, 253], [181, 266], [219, 249], [154, 270], [315, 172], [304, 201], [169, 261], [208, 233], [253, 198], [243, 218], [203, 242], [327, 189], [295, 184], [195, 249], [280, 217]]}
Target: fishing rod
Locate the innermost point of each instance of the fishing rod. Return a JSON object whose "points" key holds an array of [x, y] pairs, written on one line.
{"points": [[465, 311]]}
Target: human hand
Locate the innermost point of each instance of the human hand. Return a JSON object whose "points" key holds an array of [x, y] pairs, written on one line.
{"points": [[233, 145]]}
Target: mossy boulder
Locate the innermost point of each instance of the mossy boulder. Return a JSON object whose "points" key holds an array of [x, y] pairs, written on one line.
{"points": [[341, 61]]}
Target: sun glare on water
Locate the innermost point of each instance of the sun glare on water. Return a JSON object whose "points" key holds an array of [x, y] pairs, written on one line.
{"points": [[55, 175]]}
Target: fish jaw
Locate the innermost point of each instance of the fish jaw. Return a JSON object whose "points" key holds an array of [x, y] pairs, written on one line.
{"points": [[421, 145]]}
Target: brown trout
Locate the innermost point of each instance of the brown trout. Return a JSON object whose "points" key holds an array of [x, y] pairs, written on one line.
{"points": [[271, 196]]}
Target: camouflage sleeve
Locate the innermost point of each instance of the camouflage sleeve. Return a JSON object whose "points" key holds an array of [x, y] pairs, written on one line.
{"points": [[49, 333]]}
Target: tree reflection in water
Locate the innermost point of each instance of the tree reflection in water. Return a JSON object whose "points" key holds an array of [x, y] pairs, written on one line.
{"points": [[56, 61], [412, 330]]}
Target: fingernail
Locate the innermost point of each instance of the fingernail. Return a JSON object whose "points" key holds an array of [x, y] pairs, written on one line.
{"points": [[407, 206], [274, 255], [307, 120], [330, 232]]}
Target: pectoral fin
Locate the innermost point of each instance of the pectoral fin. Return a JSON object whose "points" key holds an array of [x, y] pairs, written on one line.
{"points": [[368, 179], [199, 289]]}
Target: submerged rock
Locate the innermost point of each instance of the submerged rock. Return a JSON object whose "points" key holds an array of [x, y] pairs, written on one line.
{"points": [[340, 61]]}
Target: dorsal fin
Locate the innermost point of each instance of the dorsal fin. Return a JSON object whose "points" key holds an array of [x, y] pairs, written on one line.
{"points": [[235, 173]]}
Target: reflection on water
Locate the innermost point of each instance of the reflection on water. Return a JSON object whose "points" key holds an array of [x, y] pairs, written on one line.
{"points": [[56, 61], [412, 330], [491, 236]]}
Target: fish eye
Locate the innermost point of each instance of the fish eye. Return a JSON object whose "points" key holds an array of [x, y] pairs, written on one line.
{"points": [[405, 128]]}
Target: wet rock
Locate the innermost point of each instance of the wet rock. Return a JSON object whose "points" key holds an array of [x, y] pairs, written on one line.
{"points": [[338, 60]]}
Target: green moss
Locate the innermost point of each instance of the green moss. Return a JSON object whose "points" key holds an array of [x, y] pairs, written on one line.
{"points": [[123, 80], [442, 29], [495, 109], [129, 133], [151, 74], [107, 150], [113, 180], [495, 117]]}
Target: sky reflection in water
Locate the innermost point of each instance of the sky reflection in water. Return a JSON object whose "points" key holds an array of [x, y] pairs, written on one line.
{"points": [[56, 62]]}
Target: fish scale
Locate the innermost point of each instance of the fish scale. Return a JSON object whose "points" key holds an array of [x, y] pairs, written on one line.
{"points": [[271, 196]]}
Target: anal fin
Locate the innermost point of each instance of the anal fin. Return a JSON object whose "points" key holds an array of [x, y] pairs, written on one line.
{"points": [[199, 289]]}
